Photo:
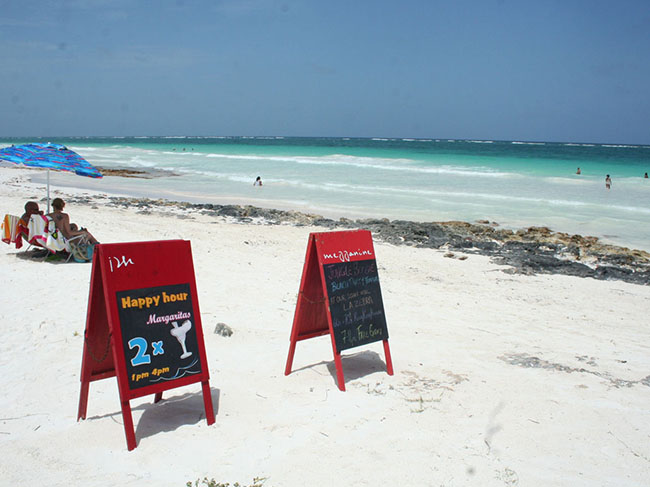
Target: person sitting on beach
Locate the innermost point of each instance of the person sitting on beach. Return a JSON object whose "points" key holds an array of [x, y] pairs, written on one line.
{"points": [[646, 176], [31, 208], [608, 182], [578, 171], [62, 222], [258, 181]]}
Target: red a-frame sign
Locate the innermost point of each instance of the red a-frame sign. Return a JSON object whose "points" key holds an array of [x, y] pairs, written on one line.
{"points": [[143, 324], [340, 296]]}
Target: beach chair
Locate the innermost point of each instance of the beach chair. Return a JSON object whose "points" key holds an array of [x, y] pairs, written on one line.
{"points": [[41, 232], [81, 249], [11, 231], [78, 248], [34, 232]]}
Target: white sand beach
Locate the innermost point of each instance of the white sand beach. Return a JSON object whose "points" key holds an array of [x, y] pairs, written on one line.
{"points": [[500, 379]]}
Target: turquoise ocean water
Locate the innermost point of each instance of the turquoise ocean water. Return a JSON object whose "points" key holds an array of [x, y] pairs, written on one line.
{"points": [[516, 184]]}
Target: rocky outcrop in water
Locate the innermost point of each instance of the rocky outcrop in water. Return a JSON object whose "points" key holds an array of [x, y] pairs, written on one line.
{"points": [[534, 250], [134, 173]]}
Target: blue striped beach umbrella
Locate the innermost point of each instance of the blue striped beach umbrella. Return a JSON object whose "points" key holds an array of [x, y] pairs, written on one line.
{"points": [[50, 156]]}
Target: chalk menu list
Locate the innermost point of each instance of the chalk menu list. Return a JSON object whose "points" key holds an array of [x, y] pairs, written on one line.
{"points": [[158, 334], [356, 307]]}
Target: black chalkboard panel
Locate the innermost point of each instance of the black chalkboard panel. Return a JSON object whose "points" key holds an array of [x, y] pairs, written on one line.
{"points": [[158, 334], [356, 307]]}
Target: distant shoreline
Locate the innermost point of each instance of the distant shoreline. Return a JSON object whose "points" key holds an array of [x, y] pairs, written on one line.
{"points": [[528, 250], [532, 250]]}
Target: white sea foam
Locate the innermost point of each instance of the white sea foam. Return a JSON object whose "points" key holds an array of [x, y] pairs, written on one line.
{"points": [[466, 198], [407, 165], [79, 149], [152, 158], [577, 180], [620, 146]]}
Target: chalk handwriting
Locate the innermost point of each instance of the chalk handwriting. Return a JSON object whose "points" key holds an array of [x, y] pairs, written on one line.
{"points": [[354, 317], [149, 301], [354, 301], [352, 283], [129, 302], [166, 319], [360, 269], [362, 332], [119, 263], [141, 357], [156, 372], [346, 255], [158, 347]]}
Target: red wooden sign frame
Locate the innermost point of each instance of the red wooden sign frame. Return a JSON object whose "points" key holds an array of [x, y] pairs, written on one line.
{"points": [[118, 269], [313, 317]]}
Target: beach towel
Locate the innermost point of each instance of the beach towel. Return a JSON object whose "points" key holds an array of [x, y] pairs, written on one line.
{"points": [[10, 231], [23, 231], [54, 239], [37, 230]]}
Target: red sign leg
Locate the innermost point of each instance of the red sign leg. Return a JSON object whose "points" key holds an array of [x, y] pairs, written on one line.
{"points": [[294, 334], [128, 425], [207, 402], [339, 371], [389, 362], [292, 351], [83, 400]]}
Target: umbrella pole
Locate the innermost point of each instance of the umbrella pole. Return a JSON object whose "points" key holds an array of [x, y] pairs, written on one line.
{"points": [[48, 191]]}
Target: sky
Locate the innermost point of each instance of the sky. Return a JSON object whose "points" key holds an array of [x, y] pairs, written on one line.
{"points": [[541, 70]]}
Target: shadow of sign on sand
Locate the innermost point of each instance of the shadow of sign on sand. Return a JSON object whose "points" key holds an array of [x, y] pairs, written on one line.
{"points": [[168, 414], [359, 365], [355, 365], [174, 412]]}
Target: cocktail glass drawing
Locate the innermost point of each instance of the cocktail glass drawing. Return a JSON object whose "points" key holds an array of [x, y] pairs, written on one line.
{"points": [[180, 332]]}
